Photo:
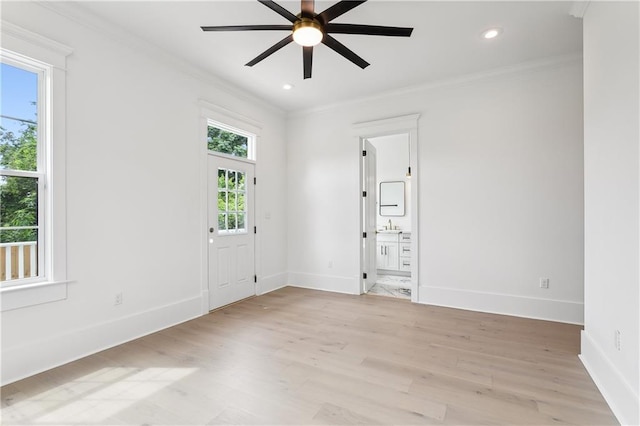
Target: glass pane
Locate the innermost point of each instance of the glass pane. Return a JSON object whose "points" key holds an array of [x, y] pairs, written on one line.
{"points": [[18, 124], [19, 254], [222, 201], [226, 142], [18, 201], [241, 181], [232, 179], [222, 222], [222, 178], [232, 202], [232, 221], [241, 203], [241, 224]]}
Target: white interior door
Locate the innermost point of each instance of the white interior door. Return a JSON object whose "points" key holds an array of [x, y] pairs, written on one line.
{"points": [[231, 230], [370, 215]]}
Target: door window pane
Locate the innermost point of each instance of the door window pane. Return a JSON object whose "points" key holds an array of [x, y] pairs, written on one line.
{"points": [[222, 222], [232, 206]]}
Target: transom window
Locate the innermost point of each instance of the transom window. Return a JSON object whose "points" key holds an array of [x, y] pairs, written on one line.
{"points": [[223, 139], [22, 172], [232, 205]]}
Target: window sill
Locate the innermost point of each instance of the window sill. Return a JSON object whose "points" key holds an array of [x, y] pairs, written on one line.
{"points": [[32, 294]]}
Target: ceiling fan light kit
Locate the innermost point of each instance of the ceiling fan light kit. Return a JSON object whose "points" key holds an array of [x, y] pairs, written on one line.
{"points": [[308, 29], [307, 32]]}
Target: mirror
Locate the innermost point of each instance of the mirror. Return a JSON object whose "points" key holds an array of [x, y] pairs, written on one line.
{"points": [[391, 198]]}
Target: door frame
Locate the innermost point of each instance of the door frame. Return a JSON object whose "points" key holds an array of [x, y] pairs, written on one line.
{"points": [[407, 124], [212, 112]]}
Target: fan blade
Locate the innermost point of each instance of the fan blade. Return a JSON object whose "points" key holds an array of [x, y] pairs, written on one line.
{"points": [[279, 45], [338, 9], [368, 30], [307, 60], [307, 8], [248, 28], [344, 51], [279, 10]]}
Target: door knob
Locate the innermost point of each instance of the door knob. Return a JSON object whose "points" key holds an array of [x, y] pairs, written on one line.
{"points": [[211, 230]]}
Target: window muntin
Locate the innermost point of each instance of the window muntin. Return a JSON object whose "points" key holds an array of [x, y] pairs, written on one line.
{"points": [[22, 172], [232, 202], [226, 140]]}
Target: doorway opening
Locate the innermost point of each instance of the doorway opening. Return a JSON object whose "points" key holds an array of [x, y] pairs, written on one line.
{"points": [[230, 215], [389, 208]]}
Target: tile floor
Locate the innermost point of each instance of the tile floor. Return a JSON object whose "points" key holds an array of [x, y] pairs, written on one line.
{"points": [[392, 286]]}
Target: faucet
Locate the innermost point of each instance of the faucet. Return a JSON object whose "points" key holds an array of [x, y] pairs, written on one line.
{"points": [[390, 227]]}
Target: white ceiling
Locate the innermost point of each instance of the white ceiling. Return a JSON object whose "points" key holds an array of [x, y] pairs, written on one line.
{"points": [[445, 44]]}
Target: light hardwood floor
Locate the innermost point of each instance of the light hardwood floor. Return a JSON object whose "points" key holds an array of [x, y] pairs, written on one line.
{"points": [[299, 356]]}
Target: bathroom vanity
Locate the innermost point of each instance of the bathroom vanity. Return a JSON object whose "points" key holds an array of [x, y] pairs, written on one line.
{"points": [[394, 251]]}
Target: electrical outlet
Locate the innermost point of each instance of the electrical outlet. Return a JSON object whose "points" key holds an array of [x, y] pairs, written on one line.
{"points": [[544, 283], [617, 340], [118, 299]]}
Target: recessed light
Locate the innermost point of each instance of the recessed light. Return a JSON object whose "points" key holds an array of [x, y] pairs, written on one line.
{"points": [[491, 33], [287, 86]]}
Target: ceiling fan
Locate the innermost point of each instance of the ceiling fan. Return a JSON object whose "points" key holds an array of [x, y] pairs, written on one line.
{"points": [[309, 29]]}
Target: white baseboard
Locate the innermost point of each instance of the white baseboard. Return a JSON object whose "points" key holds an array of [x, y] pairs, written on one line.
{"points": [[346, 285], [505, 304], [616, 390], [26, 360], [270, 283]]}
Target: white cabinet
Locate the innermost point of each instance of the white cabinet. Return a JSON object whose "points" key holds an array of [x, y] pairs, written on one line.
{"points": [[394, 251], [387, 257], [404, 263]]}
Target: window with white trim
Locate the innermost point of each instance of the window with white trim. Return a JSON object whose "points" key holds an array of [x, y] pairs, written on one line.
{"points": [[223, 139], [33, 255], [23, 171]]}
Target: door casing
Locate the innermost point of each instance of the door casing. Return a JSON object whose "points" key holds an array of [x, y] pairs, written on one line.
{"points": [[407, 124]]}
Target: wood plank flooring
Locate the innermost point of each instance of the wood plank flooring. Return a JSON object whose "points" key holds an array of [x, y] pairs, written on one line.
{"points": [[298, 356]]}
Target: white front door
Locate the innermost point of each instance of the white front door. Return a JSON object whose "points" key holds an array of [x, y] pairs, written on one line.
{"points": [[231, 230], [370, 216]]}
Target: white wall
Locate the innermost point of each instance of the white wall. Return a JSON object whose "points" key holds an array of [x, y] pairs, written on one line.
{"points": [[134, 199], [392, 162], [612, 197], [500, 199]]}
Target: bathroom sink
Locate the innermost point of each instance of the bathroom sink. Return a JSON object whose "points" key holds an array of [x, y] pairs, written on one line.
{"points": [[389, 231]]}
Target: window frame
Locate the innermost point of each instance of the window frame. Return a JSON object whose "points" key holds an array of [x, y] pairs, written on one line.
{"points": [[43, 135], [251, 140], [30, 50]]}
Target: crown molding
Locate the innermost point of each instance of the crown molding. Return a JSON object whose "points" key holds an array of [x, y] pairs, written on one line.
{"points": [[579, 8], [8, 29], [531, 66], [20, 42], [76, 12]]}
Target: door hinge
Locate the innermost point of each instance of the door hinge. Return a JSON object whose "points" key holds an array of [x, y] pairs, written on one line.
{"points": [[364, 193], [364, 275], [255, 179], [255, 278], [364, 153], [364, 235], [255, 229]]}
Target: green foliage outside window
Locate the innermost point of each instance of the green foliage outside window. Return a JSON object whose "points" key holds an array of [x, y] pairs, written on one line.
{"points": [[18, 195], [219, 140], [231, 200]]}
